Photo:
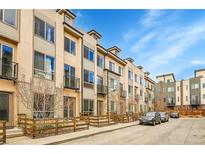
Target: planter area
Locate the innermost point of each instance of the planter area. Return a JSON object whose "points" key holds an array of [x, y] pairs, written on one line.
{"points": [[2, 132]]}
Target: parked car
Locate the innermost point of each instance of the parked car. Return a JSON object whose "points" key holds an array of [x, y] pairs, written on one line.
{"points": [[164, 116], [174, 115], [152, 118]]}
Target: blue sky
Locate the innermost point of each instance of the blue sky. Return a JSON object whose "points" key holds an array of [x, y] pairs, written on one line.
{"points": [[162, 41]]}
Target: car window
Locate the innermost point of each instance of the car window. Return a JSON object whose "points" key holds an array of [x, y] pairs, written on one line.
{"points": [[150, 114]]}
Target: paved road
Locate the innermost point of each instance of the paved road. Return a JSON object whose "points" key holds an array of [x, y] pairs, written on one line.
{"points": [[176, 131]]}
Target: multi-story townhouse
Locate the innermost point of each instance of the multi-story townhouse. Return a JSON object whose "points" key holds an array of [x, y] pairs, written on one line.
{"points": [[48, 68], [184, 94]]}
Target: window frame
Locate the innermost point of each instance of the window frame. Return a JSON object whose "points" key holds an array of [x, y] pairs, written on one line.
{"points": [[70, 41], [3, 18], [100, 61], [88, 57], [89, 78], [111, 66]]}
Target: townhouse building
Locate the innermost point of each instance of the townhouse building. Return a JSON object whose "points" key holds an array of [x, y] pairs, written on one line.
{"points": [[183, 94], [48, 68]]}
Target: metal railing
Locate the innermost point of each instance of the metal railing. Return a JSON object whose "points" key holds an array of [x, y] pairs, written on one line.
{"points": [[71, 82], [171, 103], [8, 70], [123, 93], [43, 74], [101, 89], [195, 102]]}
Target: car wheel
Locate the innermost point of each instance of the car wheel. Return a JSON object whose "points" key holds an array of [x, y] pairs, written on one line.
{"points": [[153, 123]]}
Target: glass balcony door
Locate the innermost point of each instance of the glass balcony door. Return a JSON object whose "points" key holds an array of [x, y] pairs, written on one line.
{"points": [[6, 56]]}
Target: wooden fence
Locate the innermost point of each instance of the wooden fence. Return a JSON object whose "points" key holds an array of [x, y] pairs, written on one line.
{"points": [[128, 117], [100, 121], [189, 112], [2, 132], [53, 126]]}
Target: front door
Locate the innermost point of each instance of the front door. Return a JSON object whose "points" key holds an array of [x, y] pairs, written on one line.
{"points": [[5, 108], [100, 108], [69, 107]]}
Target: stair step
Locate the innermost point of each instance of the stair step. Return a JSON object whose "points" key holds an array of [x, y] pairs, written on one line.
{"points": [[15, 132]]}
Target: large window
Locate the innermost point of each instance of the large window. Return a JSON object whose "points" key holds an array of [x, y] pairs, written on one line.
{"points": [[111, 66], [69, 46], [203, 85], [89, 76], [170, 89], [43, 105], [113, 83], [88, 53], [99, 80], [43, 66], [120, 70], [113, 106], [130, 89], [130, 74], [8, 16], [100, 61], [135, 77], [195, 86], [88, 106], [44, 30], [69, 70]]}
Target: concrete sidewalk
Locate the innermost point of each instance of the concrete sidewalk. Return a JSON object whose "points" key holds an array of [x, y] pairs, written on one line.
{"points": [[57, 139]]}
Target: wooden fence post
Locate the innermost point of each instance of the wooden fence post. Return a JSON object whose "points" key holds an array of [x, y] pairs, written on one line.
{"points": [[98, 119], [108, 118], [56, 126], [4, 132], [74, 124], [25, 126], [34, 129]]}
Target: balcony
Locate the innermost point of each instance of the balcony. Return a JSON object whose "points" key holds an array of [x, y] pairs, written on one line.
{"points": [[101, 89], [8, 70], [71, 82], [170, 104], [43, 74], [195, 102], [123, 93]]}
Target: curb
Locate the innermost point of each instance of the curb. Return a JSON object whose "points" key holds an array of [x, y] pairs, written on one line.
{"points": [[84, 136]]}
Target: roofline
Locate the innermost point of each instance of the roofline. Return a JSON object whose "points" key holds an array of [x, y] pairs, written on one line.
{"points": [[95, 32], [67, 11], [117, 57], [104, 50], [198, 70], [73, 28], [114, 47], [163, 75]]}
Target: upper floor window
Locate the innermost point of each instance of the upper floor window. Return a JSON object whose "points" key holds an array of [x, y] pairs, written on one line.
{"points": [[120, 70], [130, 89], [177, 88], [168, 80], [170, 89], [135, 77], [67, 19], [111, 66], [88, 53], [69, 71], [130, 74], [99, 80], [89, 76], [8, 16], [43, 66], [141, 80], [187, 87], [203, 85], [44, 30], [100, 61], [69, 46], [113, 83], [195, 86]]}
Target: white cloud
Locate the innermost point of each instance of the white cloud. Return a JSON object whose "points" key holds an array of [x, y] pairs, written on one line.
{"points": [[197, 62]]}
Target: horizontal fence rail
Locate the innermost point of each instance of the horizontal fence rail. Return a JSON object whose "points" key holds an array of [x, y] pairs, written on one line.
{"points": [[50, 126], [2, 132]]}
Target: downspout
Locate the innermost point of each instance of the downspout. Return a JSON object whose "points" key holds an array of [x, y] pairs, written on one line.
{"points": [[82, 76]]}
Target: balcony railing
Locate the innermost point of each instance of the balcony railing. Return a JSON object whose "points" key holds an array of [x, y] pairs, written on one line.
{"points": [[71, 82], [43, 74], [195, 102], [101, 89], [8, 70], [123, 93], [171, 103]]}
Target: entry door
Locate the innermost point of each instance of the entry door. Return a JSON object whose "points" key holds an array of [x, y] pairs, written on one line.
{"points": [[100, 108], [5, 108], [69, 106]]}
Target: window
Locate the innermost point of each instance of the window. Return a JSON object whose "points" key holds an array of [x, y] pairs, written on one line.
{"points": [[177, 88], [113, 106], [203, 85], [141, 80], [168, 80], [141, 93], [69, 71], [135, 77], [187, 98], [170, 89], [44, 30], [111, 66], [187, 87], [100, 61], [112, 83], [69, 46], [130, 108], [8, 16], [88, 106], [88, 76], [130, 89], [88, 53], [130, 74], [195, 86], [43, 105], [43, 66], [99, 80], [120, 70], [178, 99], [67, 19], [203, 96], [170, 100]]}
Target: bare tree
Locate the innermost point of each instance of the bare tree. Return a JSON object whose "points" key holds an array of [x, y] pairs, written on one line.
{"points": [[40, 98]]}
